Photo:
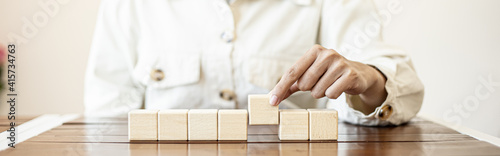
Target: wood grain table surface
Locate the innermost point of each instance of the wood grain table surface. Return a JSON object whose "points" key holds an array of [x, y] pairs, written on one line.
{"points": [[108, 136]]}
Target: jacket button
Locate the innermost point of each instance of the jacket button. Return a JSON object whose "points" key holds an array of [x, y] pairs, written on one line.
{"points": [[227, 95], [157, 75], [385, 112]]}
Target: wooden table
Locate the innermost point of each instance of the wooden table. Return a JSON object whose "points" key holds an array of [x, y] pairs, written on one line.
{"points": [[108, 136]]}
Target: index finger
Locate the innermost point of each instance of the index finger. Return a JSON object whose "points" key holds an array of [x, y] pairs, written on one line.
{"points": [[291, 76]]}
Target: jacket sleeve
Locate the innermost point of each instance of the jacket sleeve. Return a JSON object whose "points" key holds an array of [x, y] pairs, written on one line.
{"points": [[109, 88], [353, 28]]}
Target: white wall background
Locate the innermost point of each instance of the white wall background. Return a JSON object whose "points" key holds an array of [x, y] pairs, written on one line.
{"points": [[454, 44], [52, 63]]}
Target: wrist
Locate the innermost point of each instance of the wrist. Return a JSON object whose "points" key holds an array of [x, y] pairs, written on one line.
{"points": [[375, 94]]}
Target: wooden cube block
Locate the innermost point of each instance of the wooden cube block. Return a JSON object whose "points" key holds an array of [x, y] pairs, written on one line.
{"points": [[143, 125], [172, 124], [233, 124], [202, 124], [323, 124], [261, 112], [294, 124]]}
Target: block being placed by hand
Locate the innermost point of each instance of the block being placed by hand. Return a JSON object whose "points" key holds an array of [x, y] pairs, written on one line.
{"points": [[260, 111], [172, 124], [232, 124], [323, 124], [294, 124], [143, 125], [202, 124]]}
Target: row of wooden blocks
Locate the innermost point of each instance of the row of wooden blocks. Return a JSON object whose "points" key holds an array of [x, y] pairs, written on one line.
{"points": [[231, 124]]}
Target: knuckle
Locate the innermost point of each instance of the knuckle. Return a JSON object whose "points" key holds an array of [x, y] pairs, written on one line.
{"points": [[342, 66], [333, 52], [317, 47], [292, 73], [329, 52], [354, 76], [317, 94], [330, 56], [342, 62], [303, 85]]}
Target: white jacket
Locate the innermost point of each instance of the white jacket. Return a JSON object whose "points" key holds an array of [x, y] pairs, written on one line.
{"points": [[210, 54]]}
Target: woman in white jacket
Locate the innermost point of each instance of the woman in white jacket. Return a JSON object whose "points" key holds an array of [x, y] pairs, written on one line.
{"points": [[213, 53]]}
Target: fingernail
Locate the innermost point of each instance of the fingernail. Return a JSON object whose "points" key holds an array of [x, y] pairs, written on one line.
{"points": [[273, 100]]}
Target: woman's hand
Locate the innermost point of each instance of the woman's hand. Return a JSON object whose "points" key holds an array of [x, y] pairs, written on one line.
{"points": [[325, 72]]}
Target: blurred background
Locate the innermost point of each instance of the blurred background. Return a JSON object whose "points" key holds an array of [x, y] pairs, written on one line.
{"points": [[453, 43]]}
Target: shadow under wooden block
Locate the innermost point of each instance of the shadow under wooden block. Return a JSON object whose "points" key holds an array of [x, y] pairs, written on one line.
{"points": [[260, 111], [202, 124], [294, 124], [143, 125], [172, 124], [323, 124], [263, 129], [232, 124]]}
